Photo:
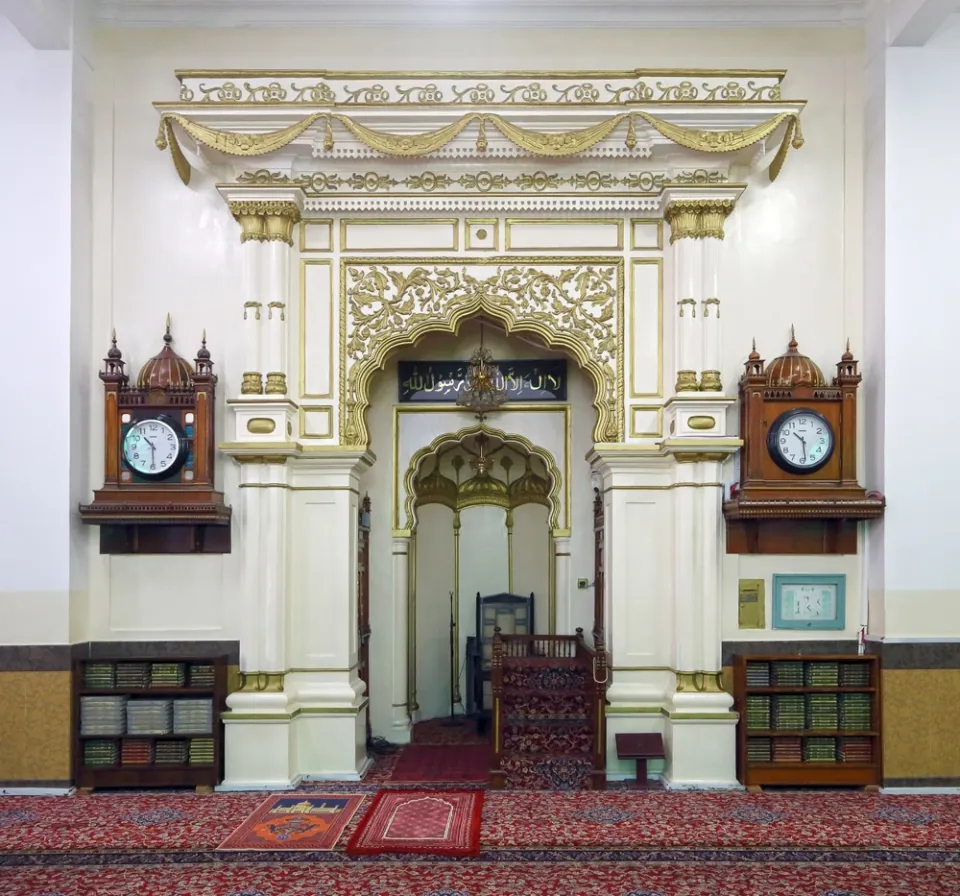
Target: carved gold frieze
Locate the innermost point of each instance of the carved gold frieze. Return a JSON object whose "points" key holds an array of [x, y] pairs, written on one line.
{"points": [[573, 303], [485, 89], [563, 143], [697, 218]]}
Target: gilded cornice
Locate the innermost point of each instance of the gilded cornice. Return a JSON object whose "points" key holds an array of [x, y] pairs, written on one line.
{"points": [[697, 218], [490, 88], [539, 143]]}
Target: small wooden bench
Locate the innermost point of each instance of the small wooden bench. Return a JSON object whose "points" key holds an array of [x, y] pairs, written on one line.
{"points": [[641, 747]]}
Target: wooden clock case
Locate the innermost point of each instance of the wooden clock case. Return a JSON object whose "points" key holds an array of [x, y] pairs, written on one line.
{"points": [[182, 514], [773, 510]]}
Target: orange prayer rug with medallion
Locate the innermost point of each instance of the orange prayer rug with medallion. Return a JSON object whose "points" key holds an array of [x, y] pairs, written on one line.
{"points": [[425, 822], [313, 822]]}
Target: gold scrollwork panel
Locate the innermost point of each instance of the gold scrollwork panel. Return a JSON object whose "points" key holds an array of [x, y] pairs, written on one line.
{"points": [[574, 304]]}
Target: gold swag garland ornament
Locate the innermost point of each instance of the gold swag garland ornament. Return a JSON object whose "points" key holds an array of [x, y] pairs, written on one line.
{"points": [[566, 143]]}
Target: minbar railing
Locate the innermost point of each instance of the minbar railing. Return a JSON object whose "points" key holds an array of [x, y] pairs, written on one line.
{"points": [[552, 651]]}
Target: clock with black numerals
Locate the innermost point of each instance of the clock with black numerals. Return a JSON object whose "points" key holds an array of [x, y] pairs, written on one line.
{"points": [[155, 448], [800, 441]]}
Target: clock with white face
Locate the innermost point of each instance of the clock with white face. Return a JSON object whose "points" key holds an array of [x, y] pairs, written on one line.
{"points": [[800, 441], [155, 448]]}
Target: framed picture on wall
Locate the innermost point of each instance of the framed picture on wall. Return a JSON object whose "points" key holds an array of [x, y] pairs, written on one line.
{"points": [[809, 601]]}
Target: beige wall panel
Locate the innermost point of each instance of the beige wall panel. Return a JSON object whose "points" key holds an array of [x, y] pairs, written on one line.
{"points": [[317, 329], [646, 233], [399, 235], [585, 234], [645, 328]]}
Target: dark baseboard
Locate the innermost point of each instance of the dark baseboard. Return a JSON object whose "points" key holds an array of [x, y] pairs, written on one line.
{"points": [[57, 785], [921, 782], [777, 648], [59, 657]]}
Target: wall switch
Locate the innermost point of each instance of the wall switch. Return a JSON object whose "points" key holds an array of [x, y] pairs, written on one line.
{"points": [[583, 584]]}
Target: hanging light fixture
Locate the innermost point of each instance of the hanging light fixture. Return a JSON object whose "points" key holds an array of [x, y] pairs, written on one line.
{"points": [[484, 389]]}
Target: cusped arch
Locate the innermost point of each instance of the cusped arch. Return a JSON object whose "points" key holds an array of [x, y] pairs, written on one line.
{"points": [[577, 309], [509, 439]]}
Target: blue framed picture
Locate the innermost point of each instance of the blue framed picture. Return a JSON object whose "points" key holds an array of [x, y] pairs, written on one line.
{"points": [[809, 601]]}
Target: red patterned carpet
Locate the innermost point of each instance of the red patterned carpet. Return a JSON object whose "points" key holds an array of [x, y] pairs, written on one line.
{"points": [[613, 843], [446, 763]]}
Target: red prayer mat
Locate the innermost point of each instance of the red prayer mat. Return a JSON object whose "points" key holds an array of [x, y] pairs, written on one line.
{"points": [[313, 822], [442, 764], [442, 823]]}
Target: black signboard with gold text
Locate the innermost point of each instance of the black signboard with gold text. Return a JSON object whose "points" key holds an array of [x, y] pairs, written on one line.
{"points": [[442, 381]]}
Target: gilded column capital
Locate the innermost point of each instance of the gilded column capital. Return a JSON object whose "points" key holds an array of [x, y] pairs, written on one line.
{"points": [[265, 220], [697, 218]]}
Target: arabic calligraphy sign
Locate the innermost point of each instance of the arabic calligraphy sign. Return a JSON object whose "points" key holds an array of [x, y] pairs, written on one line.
{"points": [[442, 381]]}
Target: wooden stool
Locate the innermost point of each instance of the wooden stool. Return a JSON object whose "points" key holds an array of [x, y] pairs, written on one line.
{"points": [[641, 747]]}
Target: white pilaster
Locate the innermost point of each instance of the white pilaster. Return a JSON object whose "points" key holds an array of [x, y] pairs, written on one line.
{"points": [[561, 581], [710, 314], [252, 274], [400, 711], [276, 288]]}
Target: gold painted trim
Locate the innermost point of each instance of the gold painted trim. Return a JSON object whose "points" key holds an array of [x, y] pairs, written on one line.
{"points": [[355, 394], [634, 262], [642, 669], [346, 223], [633, 234], [314, 409], [352, 668], [702, 422], [261, 426], [332, 349], [562, 74], [661, 488], [509, 224], [313, 222], [646, 408], [559, 480], [700, 716], [493, 223], [633, 710]]}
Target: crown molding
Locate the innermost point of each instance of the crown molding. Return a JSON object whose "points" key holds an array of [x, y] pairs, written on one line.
{"points": [[490, 13]]}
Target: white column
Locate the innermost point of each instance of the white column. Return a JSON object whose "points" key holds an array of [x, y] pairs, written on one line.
{"points": [[249, 518], [709, 498], [683, 219], [252, 275], [710, 312], [561, 582], [400, 711], [276, 286], [273, 564], [686, 549]]}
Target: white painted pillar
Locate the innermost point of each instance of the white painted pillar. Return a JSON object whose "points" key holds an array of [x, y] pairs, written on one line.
{"points": [[277, 284], [683, 220], [400, 710], [273, 563], [251, 259], [710, 497], [710, 380], [686, 549], [561, 584]]}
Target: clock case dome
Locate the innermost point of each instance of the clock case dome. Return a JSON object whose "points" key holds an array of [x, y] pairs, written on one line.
{"points": [[183, 513], [773, 509]]}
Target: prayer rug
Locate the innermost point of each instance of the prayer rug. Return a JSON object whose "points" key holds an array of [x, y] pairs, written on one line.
{"points": [[442, 764], [313, 822], [439, 823]]}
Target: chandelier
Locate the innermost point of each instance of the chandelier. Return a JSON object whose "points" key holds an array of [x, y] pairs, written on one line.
{"points": [[483, 390]]}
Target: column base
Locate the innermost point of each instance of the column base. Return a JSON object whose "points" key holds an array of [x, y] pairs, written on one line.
{"points": [[401, 728], [701, 751], [257, 742]]}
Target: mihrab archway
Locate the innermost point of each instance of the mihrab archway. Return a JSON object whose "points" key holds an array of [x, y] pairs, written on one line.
{"points": [[575, 304]]}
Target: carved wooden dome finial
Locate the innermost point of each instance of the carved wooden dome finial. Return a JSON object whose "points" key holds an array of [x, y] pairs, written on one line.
{"points": [[166, 369], [793, 369]]}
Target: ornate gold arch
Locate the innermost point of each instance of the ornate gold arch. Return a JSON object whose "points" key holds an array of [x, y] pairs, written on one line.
{"points": [[578, 309], [508, 439]]}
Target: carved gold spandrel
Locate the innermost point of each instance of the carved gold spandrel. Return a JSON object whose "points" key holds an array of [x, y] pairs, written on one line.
{"points": [[576, 304]]}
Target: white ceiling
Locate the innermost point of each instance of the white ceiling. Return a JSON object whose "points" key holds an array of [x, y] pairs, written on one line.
{"points": [[491, 13]]}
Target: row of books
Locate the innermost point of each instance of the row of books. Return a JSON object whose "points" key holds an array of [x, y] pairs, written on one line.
{"points": [[138, 675], [115, 715], [810, 749], [814, 673], [815, 712], [132, 752]]}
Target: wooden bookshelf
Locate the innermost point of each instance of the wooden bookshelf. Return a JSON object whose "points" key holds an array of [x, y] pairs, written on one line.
{"points": [[808, 720], [179, 751]]}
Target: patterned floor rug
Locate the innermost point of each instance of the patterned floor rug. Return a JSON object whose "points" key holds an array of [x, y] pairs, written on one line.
{"points": [[620, 824], [422, 822], [305, 821], [471, 877], [442, 763]]}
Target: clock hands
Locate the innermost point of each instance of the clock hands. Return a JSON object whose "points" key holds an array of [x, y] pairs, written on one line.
{"points": [[803, 442]]}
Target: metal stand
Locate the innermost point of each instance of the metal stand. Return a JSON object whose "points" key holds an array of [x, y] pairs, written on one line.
{"points": [[453, 721]]}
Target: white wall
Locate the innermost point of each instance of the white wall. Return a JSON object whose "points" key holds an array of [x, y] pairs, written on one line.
{"points": [[916, 566], [46, 411]]}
